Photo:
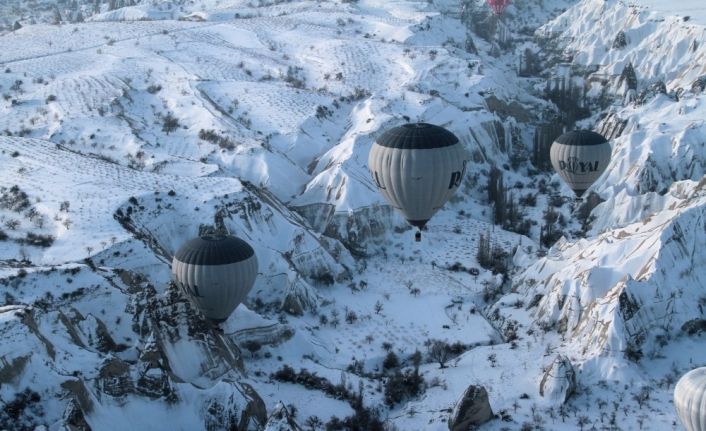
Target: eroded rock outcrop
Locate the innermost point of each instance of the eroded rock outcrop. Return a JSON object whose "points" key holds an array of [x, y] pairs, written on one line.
{"points": [[300, 296], [472, 409], [281, 420], [559, 381]]}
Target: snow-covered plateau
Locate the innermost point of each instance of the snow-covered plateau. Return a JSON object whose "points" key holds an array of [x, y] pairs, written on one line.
{"points": [[129, 125]]}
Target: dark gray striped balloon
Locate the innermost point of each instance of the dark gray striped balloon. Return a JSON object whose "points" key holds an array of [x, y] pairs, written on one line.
{"points": [[580, 157], [417, 168], [690, 399], [215, 272]]}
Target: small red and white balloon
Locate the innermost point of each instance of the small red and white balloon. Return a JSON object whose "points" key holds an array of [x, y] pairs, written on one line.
{"points": [[498, 6]]}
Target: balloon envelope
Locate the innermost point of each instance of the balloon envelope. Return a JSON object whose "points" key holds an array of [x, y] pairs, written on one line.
{"points": [[417, 168], [215, 272], [498, 6], [690, 399], [580, 157]]}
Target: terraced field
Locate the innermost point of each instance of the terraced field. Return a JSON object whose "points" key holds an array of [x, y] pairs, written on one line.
{"points": [[272, 106], [83, 95], [49, 40], [101, 186]]}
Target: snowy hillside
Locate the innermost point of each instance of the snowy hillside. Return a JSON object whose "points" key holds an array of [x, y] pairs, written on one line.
{"points": [[128, 130]]}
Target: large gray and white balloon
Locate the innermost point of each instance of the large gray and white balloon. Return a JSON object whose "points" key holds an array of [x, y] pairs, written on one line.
{"points": [[580, 157], [417, 167], [690, 399], [215, 272]]}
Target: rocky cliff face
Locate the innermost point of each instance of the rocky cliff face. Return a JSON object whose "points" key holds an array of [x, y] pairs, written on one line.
{"points": [[624, 292], [99, 367], [616, 295]]}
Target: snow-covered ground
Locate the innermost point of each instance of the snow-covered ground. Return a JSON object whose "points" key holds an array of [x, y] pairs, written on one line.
{"points": [[694, 9], [125, 133]]}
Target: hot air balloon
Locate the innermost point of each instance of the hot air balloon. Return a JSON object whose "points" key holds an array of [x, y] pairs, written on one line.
{"points": [[690, 399], [580, 157], [215, 272], [417, 167], [498, 6]]}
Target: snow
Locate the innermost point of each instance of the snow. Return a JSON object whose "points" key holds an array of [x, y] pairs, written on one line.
{"points": [[694, 9], [273, 108]]}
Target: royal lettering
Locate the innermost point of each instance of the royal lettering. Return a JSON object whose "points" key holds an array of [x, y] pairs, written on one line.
{"points": [[455, 179], [574, 166], [377, 180], [457, 176]]}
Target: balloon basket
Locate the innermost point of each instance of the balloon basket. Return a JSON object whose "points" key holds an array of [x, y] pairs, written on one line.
{"points": [[576, 204], [216, 327]]}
